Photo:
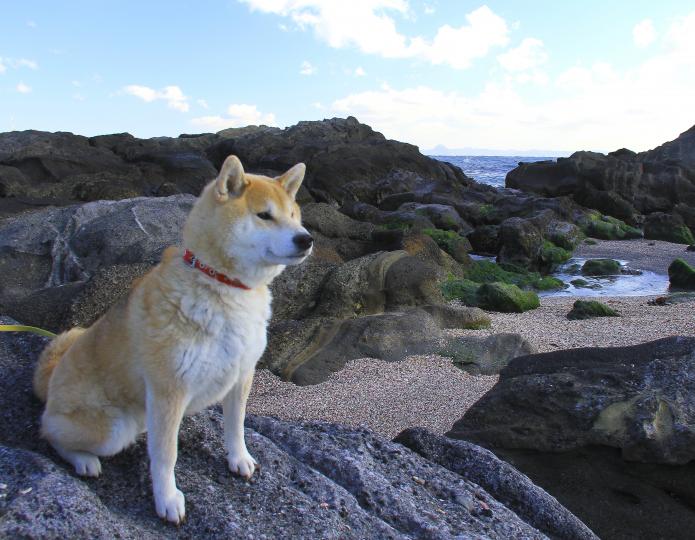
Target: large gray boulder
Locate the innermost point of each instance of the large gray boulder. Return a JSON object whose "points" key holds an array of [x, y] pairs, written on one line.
{"points": [[610, 432], [310, 350], [639, 399], [317, 480], [48, 257]]}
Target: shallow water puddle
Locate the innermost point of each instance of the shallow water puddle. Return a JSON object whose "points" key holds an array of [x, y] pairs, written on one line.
{"points": [[645, 284]]}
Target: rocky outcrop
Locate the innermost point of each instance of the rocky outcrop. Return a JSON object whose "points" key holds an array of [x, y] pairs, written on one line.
{"points": [[610, 432], [623, 184], [67, 266], [317, 480]]}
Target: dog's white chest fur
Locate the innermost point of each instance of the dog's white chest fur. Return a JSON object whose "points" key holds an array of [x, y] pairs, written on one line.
{"points": [[228, 339]]}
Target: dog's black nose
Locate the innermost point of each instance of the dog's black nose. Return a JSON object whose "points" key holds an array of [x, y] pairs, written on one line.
{"points": [[303, 241]]}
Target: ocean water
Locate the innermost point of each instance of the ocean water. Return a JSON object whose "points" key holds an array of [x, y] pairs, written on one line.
{"points": [[489, 169]]}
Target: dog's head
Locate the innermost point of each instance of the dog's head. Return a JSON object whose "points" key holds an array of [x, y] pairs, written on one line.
{"points": [[249, 221]]}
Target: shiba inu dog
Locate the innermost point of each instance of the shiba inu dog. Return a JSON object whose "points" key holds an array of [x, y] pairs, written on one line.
{"points": [[188, 335]]}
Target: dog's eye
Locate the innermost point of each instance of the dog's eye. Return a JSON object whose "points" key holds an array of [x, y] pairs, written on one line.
{"points": [[265, 216]]}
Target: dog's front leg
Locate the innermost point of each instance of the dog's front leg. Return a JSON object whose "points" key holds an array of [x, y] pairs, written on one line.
{"points": [[165, 410], [234, 406]]}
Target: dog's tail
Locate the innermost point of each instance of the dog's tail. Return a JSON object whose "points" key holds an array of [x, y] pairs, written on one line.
{"points": [[49, 359]]}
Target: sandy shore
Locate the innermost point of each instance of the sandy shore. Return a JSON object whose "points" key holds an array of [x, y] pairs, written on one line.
{"points": [[429, 391]]}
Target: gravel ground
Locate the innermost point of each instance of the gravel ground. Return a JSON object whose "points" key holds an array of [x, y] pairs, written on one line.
{"points": [[429, 391], [387, 397], [548, 328]]}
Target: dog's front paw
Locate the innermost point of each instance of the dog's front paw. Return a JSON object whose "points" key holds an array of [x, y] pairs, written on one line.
{"points": [[171, 506], [242, 464]]}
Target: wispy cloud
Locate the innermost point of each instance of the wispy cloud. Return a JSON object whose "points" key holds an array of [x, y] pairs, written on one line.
{"points": [[172, 95], [238, 115], [23, 88], [359, 72], [307, 68], [17, 63]]}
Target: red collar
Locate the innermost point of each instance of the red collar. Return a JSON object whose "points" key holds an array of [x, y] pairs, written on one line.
{"points": [[193, 262]]}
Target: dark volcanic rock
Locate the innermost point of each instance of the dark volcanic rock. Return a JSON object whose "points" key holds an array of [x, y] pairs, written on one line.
{"points": [[345, 160], [669, 227], [637, 398], [318, 481], [610, 184]]}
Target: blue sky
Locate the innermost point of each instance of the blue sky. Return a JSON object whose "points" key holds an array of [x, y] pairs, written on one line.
{"points": [[499, 75]]}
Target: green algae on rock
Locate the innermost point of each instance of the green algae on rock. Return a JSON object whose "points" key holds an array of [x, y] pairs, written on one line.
{"points": [[588, 309]]}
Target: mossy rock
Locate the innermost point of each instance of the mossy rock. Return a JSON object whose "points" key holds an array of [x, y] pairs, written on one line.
{"points": [[590, 242], [609, 228], [588, 309], [464, 290], [584, 284], [681, 275], [452, 242], [601, 267], [483, 271], [506, 298], [552, 255]]}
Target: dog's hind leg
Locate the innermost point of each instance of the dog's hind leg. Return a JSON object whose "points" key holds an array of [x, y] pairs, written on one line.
{"points": [[85, 463], [234, 407], [75, 440]]}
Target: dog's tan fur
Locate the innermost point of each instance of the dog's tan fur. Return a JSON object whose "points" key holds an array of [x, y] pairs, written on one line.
{"points": [[180, 340]]}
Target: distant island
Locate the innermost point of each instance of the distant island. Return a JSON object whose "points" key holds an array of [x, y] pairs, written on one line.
{"points": [[441, 150]]}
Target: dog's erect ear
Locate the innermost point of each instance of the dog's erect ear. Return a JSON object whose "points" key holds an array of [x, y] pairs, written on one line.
{"points": [[292, 179], [231, 180]]}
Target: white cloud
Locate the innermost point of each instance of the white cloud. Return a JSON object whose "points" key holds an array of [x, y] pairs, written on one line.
{"points": [[31, 24], [238, 115], [173, 95], [359, 72], [643, 33], [429, 9], [23, 88], [530, 54], [599, 107], [203, 103], [306, 68], [368, 26], [78, 97], [458, 47]]}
